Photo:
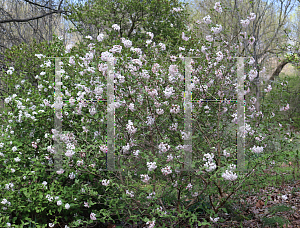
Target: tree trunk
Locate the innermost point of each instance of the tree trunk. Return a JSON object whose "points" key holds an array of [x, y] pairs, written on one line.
{"points": [[278, 69]]}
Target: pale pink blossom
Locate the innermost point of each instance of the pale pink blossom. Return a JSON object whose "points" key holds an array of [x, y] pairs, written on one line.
{"points": [[93, 216], [207, 19], [218, 7], [252, 17], [116, 27], [245, 23]]}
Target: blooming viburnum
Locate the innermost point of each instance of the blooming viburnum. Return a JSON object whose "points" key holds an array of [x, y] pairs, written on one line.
{"points": [[245, 23], [131, 129], [217, 29], [116, 27], [207, 19], [100, 37], [252, 17], [210, 165], [105, 182], [229, 175], [190, 186], [151, 224], [130, 193], [151, 165], [167, 170], [285, 108], [209, 38], [146, 178], [214, 219], [257, 150], [268, 89], [218, 7], [93, 216]]}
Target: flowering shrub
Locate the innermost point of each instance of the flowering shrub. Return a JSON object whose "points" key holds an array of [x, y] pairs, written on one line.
{"points": [[67, 191]]}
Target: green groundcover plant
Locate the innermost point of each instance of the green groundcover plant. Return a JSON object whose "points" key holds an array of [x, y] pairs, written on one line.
{"points": [[148, 91]]}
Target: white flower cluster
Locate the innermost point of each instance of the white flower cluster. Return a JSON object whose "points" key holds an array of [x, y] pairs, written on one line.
{"points": [[105, 182], [214, 220], [207, 19], [210, 164], [126, 148], [163, 46], [50, 198], [9, 185], [151, 166], [160, 111], [167, 170], [150, 120], [173, 127], [170, 157], [217, 29], [175, 109], [5, 201], [46, 64], [136, 50], [226, 154], [130, 193], [70, 150], [116, 48], [163, 147], [150, 224], [116, 27], [127, 43], [100, 37], [268, 89], [252, 17], [257, 149], [245, 23], [190, 186], [150, 34], [130, 128], [61, 171], [218, 7], [72, 176], [136, 153], [151, 195], [229, 175], [10, 70], [103, 148], [285, 108], [169, 91], [106, 55], [184, 135], [251, 61], [151, 92], [39, 55], [252, 74], [178, 9], [146, 178]]}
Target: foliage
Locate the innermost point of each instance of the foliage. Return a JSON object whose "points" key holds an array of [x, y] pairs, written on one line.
{"points": [[274, 221], [145, 15]]}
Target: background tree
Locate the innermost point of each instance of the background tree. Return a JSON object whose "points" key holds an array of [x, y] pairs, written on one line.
{"points": [[267, 29], [133, 16]]}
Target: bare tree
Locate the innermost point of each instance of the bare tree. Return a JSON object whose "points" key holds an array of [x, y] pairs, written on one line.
{"points": [[267, 29]]}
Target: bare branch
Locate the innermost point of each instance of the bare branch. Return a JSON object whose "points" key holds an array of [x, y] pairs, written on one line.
{"points": [[32, 18]]}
